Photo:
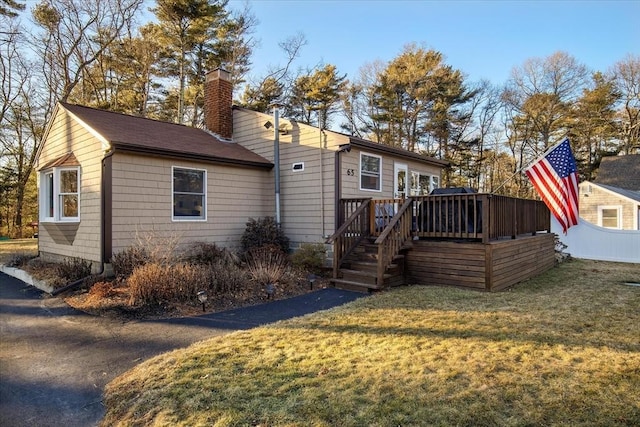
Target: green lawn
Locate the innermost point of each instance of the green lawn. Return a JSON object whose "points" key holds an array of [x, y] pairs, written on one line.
{"points": [[561, 349]]}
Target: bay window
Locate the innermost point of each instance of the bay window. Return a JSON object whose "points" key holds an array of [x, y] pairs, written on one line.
{"points": [[60, 194]]}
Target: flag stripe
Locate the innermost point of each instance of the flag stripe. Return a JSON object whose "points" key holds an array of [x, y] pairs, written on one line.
{"points": [[554, 176]]}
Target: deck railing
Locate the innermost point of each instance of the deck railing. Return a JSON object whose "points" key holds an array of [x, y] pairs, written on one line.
{"points": [[475, 216], [394, 237], [478, 216], [355, 228]]}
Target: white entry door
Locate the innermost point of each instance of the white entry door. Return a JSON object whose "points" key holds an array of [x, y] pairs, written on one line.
{"points": [[400, 174]]}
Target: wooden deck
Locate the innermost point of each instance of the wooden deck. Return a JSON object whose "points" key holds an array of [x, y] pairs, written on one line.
{"points": [[478, 241], [491, 266]]}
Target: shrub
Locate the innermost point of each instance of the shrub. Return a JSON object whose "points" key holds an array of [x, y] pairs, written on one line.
{"points": [[156, 283], [72, 269], [266, 264], [225, 277], [19, 260], [310, 257], [262, 232], [208, 253], [126, 261]]}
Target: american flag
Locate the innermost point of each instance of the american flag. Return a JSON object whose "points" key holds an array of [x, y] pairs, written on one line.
{"points": [[554, 177]]}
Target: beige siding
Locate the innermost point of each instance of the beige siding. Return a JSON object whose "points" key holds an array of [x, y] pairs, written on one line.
{"points": [[597, 197], [307, 207], [66, 135], [142, 202], [351, 182], [307, 196]]}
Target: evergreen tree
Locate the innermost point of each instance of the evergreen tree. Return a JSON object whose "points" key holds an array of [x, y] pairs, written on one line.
{"points": [[318, 92], [594, 125]]}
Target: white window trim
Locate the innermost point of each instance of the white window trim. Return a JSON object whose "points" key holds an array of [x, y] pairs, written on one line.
{"points": [[44, 195], [379, 190], [618, 208], [431, 184], [414, 174], [204, 189]]}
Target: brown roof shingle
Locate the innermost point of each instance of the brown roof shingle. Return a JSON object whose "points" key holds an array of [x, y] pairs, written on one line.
{"points": [[620, 171], [144, 135]]}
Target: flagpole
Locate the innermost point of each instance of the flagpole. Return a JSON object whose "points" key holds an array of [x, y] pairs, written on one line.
{"points": [[519, 171]]}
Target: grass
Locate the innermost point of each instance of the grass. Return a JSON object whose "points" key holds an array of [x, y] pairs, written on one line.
{"points": [[12, 248], [560, 349]]}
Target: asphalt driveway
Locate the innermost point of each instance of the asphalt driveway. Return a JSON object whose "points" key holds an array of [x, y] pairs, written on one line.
{"points": [[55, 361]]}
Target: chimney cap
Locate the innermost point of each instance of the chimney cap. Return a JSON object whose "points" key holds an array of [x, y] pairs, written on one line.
{"points": [[218, 74]]}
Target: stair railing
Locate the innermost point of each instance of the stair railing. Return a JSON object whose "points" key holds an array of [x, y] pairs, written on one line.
{"points": [[349, 235], [393, 238]]}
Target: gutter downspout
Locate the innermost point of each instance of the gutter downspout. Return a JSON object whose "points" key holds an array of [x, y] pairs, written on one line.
{"points": [[276, 159], [103, 237], [324, 236], [338, 184]]}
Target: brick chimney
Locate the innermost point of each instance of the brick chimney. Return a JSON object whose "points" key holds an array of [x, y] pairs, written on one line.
{"points": [[218, 98]]}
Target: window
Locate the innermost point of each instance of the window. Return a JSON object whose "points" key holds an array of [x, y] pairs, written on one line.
{"points": [[370, 167], [421, 185], [415, 183], [610, 217], [60, 194], [435, 183], [189, 194]]}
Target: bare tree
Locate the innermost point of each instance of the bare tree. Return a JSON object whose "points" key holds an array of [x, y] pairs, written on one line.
{"points": [[540, 90], [20, 127], [277, 83], [74, 33], [626, 74]]}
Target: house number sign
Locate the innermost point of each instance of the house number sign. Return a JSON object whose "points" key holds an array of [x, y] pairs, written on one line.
{"points": [[351, 172]]}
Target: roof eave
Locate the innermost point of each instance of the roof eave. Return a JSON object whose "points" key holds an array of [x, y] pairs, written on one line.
{"points": [[130, 148], [398, 152]]}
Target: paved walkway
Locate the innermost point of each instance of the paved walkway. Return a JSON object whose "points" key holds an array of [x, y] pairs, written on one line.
{"points": [[55, 361]]}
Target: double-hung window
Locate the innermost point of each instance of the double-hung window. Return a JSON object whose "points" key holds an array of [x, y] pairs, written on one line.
{"points": [[610, 217], [60, 194], [189, 194], [370, 168]]}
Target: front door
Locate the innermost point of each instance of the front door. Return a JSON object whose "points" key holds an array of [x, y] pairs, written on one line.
{"points": [[400, 173]]}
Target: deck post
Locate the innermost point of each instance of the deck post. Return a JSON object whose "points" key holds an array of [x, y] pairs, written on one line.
{"points": [[486, 218]]}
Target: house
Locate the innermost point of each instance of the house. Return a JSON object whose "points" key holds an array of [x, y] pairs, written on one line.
{"points": [[620, 171], [610, 207], [612, 200], [108, 180]]}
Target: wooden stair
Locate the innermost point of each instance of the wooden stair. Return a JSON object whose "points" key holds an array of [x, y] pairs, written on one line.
{"points": [[359, 271]]}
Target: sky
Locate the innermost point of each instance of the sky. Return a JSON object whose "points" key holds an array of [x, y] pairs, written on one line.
{"points": [[482, 39]]}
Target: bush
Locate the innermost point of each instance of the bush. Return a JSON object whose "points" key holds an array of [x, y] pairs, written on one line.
{"points": [[262, 232], [156, 283], [266, 264], [208, 253], [310, 257], [126, 261], [72, 269], [20, 260], [225, 277]]}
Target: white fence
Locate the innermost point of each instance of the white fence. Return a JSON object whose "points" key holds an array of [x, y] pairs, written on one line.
{"points": [[589, 241]]}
